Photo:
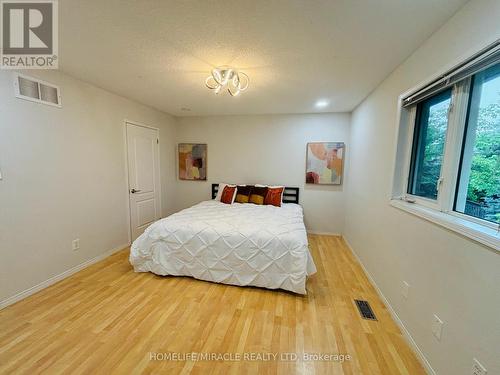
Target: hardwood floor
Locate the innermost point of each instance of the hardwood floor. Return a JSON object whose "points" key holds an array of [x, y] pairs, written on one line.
{"points": [[107, 319]]}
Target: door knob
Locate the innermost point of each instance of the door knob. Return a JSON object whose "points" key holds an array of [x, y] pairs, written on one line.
{"points": [[133, 191]]}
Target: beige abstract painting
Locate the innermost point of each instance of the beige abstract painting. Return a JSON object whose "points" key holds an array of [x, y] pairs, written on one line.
{"points": [[325, 163], [192, 161]]}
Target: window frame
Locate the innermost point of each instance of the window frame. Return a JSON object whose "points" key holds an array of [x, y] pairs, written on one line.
{"points": [[440, 211], [414, 123], [465, 133]]}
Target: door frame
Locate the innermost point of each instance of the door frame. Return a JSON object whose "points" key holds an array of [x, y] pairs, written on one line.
{"points": [[127, 187]]}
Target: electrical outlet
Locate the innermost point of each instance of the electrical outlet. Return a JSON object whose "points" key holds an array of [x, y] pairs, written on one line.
{"points": [[405, 289], [75, 244], [478, 368], [437, 327]]}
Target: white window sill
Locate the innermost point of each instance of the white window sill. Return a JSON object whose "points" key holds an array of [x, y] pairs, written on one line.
{"points": [[484, 235]]}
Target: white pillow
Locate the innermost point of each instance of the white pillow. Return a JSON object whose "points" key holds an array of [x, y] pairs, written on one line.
{"points": [[221, 189]]}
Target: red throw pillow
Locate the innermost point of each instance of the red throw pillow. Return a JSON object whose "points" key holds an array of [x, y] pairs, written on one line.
{"points": [[273, 196], [228, 194]]}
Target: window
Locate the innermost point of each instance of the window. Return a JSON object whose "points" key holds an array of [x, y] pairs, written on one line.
{"points": [[478, 190], [428, 145], [448, 155]]}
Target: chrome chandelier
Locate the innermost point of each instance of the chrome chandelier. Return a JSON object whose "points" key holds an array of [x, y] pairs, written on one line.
{"points": [[226, 78]]}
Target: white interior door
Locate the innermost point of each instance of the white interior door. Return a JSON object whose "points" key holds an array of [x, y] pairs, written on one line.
{"points": [[144, 177]]}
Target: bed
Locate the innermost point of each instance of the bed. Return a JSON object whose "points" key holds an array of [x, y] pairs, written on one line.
{"points": [[238, 244]]}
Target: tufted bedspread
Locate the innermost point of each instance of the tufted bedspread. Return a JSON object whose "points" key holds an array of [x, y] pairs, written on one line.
{"points": [[238, 244]]}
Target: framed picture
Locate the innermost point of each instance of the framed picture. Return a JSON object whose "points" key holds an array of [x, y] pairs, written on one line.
{"points": [[192, 161], [325, 163]]}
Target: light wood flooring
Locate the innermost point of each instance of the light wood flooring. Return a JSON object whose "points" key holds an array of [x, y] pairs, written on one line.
{"points": [[107, 319]]}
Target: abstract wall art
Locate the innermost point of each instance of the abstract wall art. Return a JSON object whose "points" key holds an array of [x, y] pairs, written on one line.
{"points": [[192, 161], [325, 163]]}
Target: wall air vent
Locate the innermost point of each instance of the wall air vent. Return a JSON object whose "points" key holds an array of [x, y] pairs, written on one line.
{"points": [[35, 90]]}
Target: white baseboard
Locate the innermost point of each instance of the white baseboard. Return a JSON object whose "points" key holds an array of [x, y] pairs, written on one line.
{"points": [[406, 334], [28, 292], [324, 233]]}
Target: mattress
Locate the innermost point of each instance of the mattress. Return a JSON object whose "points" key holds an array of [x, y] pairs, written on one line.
{"points": [[238, 244]]}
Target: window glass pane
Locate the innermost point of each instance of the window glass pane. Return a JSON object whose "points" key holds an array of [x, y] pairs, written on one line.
{"points": [[428, 145], [478, 191]]}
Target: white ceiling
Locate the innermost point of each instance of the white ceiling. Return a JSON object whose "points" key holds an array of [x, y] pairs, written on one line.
{"points": [[295, 52]]}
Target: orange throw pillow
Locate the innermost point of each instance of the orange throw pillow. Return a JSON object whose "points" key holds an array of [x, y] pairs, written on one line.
{"points": [[228, 194], [274, 196]]}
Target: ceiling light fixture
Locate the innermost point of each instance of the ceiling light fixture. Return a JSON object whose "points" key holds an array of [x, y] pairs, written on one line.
{"points": [[322, 103], [224, 77]]}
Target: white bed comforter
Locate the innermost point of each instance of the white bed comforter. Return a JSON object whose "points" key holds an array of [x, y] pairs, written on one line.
{"points": [[239, 244]]}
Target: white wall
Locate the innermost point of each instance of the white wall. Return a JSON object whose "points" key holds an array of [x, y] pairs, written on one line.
{"points": [[268, 149], [64, 177], [451, 276]]}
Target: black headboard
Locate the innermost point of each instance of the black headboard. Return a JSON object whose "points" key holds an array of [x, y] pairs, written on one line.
{"points": [[290, 195]]}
